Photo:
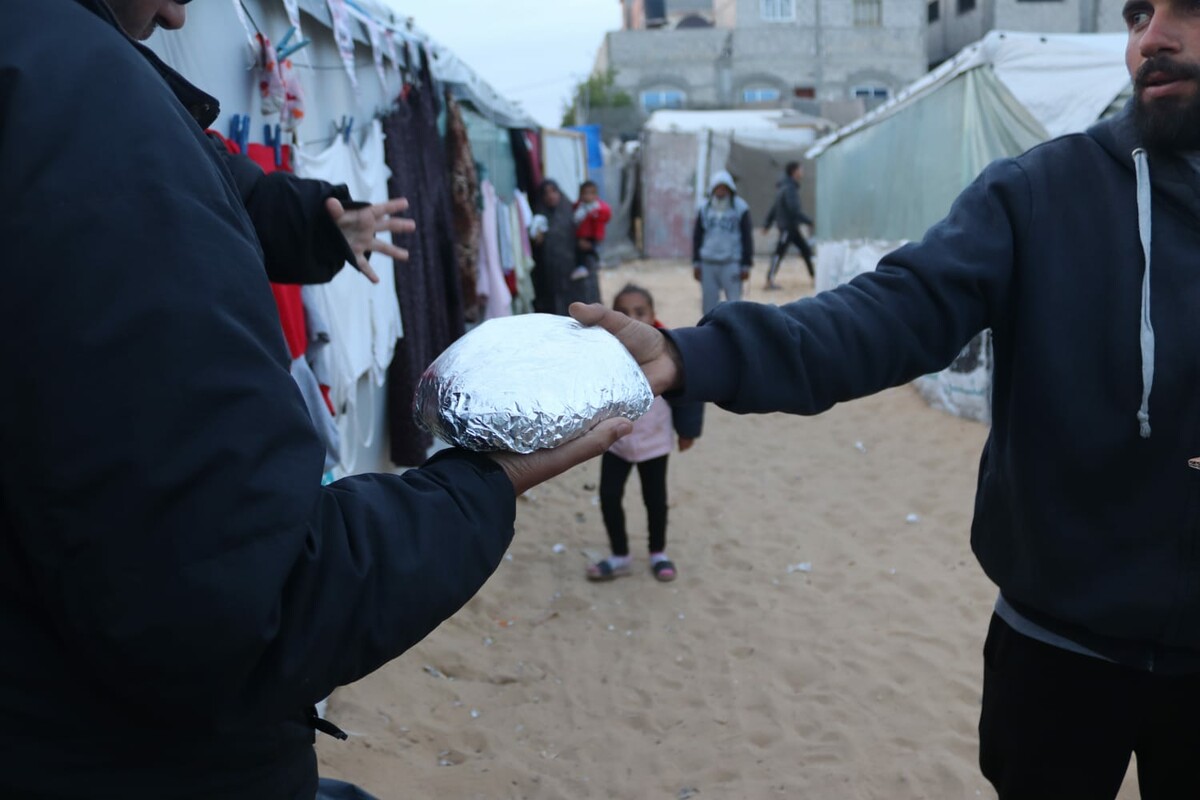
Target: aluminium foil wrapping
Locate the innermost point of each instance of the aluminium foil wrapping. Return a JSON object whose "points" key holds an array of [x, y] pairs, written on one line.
{"points": [[527, 383]]}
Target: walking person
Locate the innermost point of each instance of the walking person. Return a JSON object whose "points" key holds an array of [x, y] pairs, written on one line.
{"points": [[647, 448], [788, 215], [722, 243]]}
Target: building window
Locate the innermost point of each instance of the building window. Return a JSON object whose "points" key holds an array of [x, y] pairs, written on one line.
{"points": [[868, 13], [777, 10], [760, 94], [870, 92], [805, 92], [662, 98], [935, 11], [965, 5]]}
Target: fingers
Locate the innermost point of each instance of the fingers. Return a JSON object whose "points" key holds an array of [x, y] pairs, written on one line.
{"points": [[397, 205], [588, 313], [389, 249], [395, 225], [364, 266], [527, 471], [334, 208]]}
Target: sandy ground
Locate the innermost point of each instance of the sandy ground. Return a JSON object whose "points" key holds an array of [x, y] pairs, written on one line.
{"points": [[821, 641]]}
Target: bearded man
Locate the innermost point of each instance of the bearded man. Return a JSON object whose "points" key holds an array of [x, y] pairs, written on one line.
{"points": [[1083, 257]]}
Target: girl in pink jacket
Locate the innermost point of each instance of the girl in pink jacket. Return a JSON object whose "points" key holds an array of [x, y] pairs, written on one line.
{"points": [[647, 447]]}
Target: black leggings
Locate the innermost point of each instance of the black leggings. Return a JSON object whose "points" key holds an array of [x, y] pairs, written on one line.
{"points": [[787, 238], [653, 474], [1058, 725]]}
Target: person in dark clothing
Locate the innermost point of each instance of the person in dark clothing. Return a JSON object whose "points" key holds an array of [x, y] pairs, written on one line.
{"points": [[176, 587], [308, 229], [552, 234], [788, 215], [1080, 256]]}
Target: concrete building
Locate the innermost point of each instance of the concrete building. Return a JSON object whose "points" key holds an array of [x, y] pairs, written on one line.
{"points": [[954, 24], [832, 58]]}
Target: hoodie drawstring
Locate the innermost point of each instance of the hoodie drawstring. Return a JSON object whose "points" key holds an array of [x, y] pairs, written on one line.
{"points": [[1141, 165]]}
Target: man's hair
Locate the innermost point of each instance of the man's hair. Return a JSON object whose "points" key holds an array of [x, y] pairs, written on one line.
{"points": [[588, 185], [791, 167]]}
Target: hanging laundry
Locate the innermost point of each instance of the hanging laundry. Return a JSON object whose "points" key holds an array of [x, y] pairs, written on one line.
{"points": [[464, 191], [343, 37], [292, 318], [375, 34], [428, 285], [507, 264], [490, 276], [523, 270], [292, 7], [364, 319]]}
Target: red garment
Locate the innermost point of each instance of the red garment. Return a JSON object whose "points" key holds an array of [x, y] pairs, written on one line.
{"points": [[287, 296], [534, 142], [592, 226]]}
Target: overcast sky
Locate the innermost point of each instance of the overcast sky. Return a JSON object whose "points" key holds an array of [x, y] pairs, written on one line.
{"points": [[531, 51]]}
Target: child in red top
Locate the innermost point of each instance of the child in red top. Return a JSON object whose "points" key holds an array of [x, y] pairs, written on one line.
{"points": [[591, 216]]}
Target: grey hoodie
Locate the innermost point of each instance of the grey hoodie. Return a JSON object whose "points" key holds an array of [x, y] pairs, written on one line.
{"points": [[723, 232]]}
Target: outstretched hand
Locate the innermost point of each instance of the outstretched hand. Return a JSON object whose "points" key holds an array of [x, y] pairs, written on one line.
{"points": [[528, 470], [658, 358], [360, 226]]}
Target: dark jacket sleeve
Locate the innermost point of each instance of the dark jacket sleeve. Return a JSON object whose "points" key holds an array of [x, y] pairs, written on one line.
{"points": [[687, 417], [771, 215], [300, 242], [697, 237], [910, 317], [161, 477], [747, 226], [792, 213]]}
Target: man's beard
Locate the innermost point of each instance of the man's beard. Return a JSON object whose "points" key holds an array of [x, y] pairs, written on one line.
{"points": [[1168, 123]]}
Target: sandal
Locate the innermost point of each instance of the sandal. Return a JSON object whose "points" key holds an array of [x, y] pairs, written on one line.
{"points": [[663, 571], [606, 570]]}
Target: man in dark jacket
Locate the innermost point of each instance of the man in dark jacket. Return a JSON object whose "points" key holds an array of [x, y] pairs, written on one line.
{"points": [[1081, 256], [788, 215], [176, 588]]}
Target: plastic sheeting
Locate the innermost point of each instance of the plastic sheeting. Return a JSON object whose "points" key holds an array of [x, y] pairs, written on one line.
{"points": [[965, 387], [491, 149], [894, 179], [668, 193], [564, 159], [895, 171]]}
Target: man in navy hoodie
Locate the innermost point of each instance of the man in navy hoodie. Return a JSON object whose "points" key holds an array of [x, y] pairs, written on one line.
{"points": [[176, 588], [1083, 257]]}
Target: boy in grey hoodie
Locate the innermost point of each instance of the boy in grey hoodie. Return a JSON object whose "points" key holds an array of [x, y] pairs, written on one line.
{"points": [[722, 243]]}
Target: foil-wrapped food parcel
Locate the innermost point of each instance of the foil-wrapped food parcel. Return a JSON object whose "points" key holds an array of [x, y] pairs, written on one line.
{"points": [[529, 382]]}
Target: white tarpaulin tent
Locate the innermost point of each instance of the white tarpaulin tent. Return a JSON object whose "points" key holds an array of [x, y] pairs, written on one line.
{"points": [[683, 149], [893, 173]]}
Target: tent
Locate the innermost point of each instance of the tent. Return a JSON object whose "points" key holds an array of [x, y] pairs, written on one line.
{"points": [[890, 175], [894, 172], [682, 149]]}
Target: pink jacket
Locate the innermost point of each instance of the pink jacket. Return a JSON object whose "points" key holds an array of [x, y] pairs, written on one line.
{"points": [[653, 435]]}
